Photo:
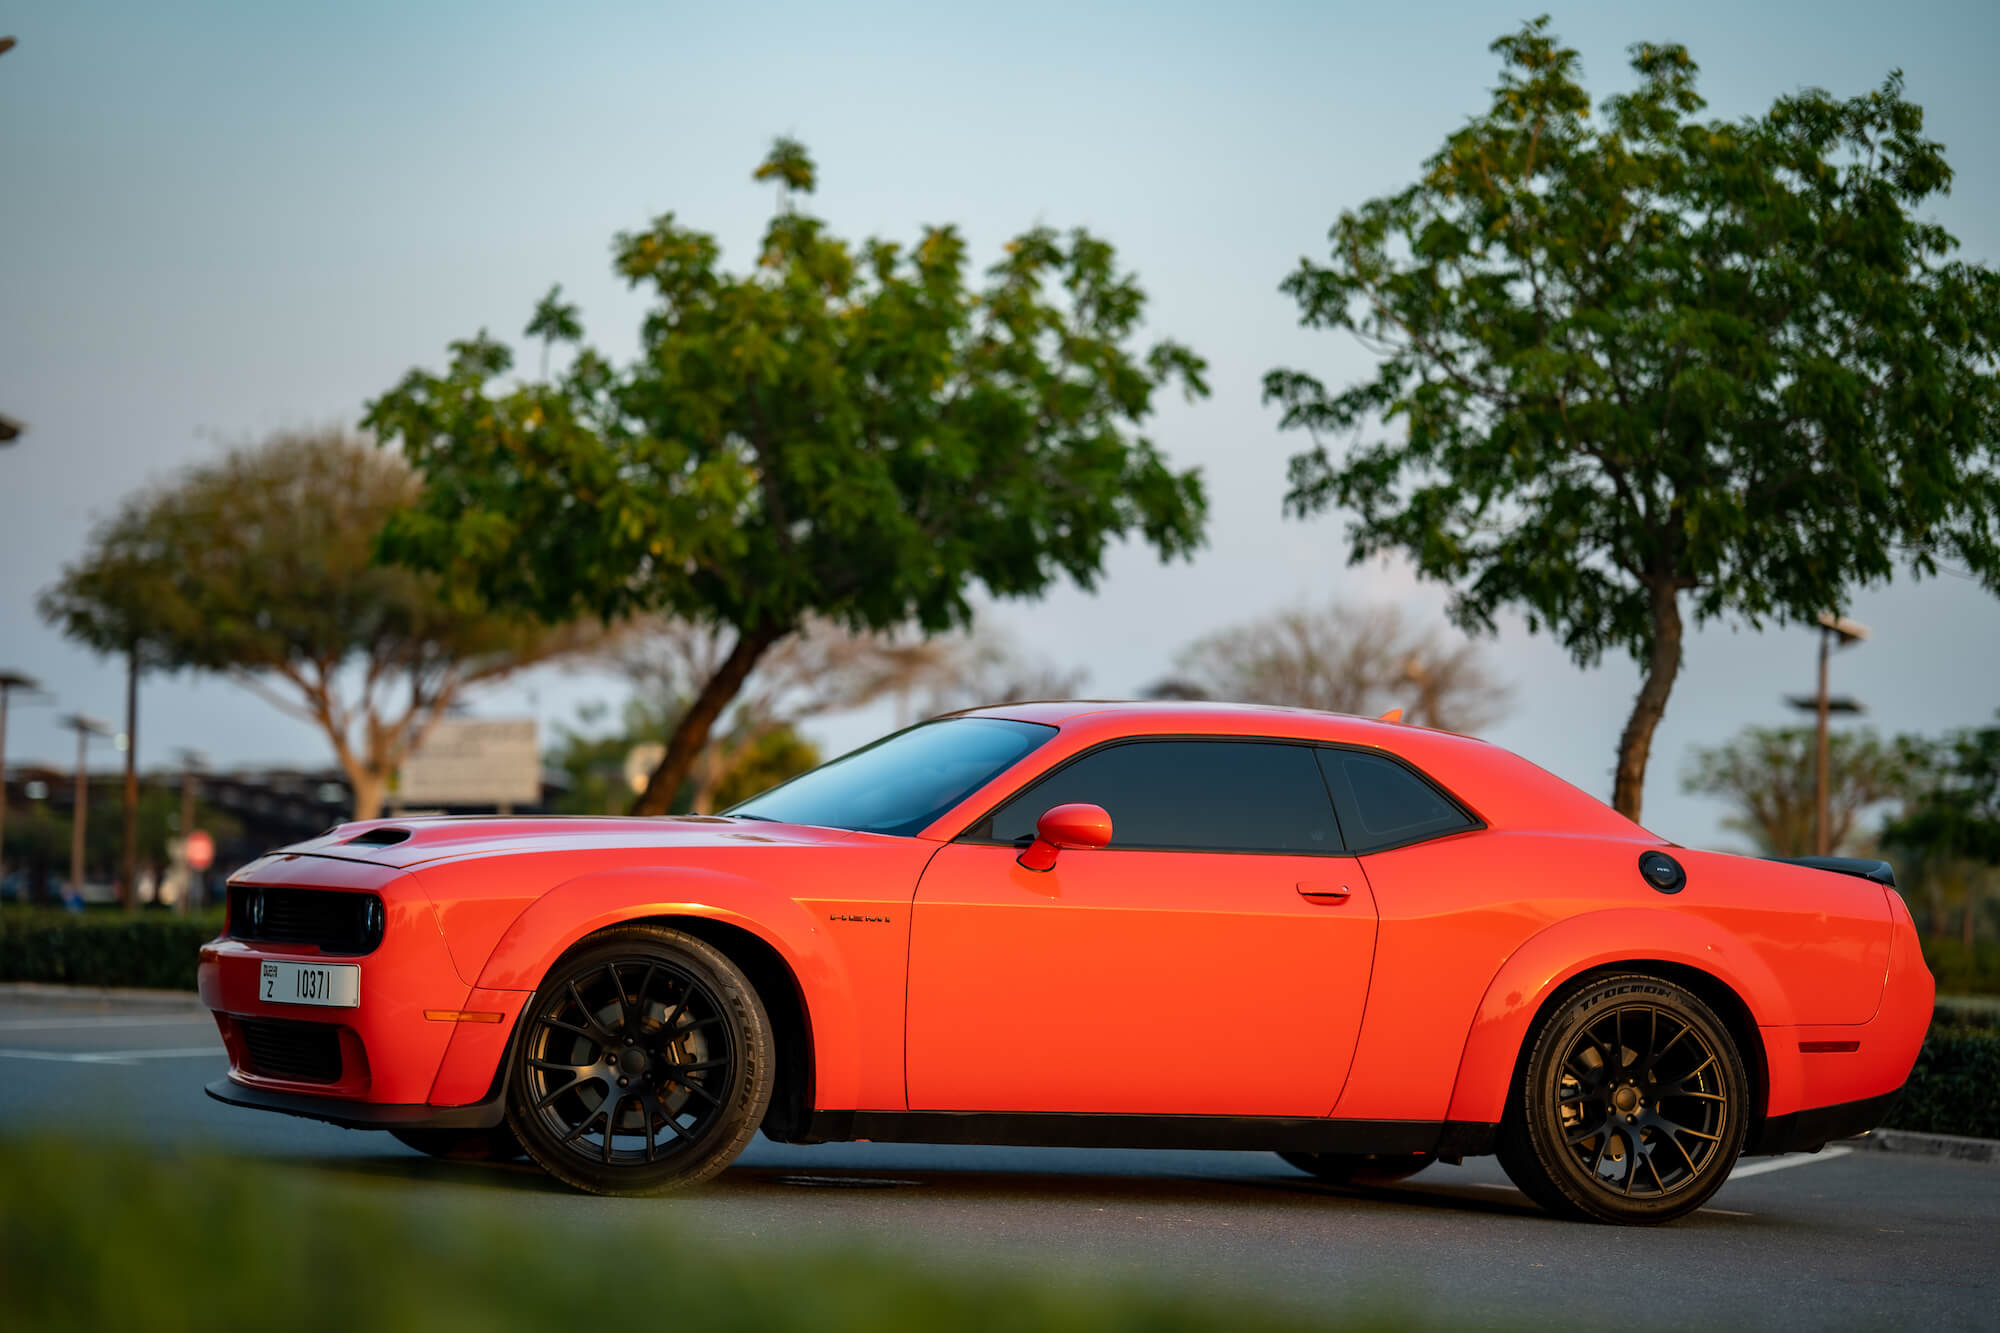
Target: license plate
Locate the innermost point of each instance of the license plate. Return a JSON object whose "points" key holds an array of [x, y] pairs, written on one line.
{"points": [[336, 985]]}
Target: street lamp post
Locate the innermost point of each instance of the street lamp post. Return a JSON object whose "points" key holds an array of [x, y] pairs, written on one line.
{"points": [[1834, 632], [9, 682], [85, 728], [191, 762]]}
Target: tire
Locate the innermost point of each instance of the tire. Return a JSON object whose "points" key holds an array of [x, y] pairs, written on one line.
{"points": [[665, 1030], [1359, 1168], [462, 1145], [1632, 1104]]}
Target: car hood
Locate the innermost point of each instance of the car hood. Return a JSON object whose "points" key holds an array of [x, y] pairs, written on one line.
{"points": [[411, 842]]}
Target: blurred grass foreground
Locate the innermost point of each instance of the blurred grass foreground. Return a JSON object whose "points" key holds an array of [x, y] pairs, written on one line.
{"points": [[94, 1238]]}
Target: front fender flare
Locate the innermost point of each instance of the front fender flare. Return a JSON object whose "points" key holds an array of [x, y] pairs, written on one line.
{"points": [[555, 922], [1578, 944]]}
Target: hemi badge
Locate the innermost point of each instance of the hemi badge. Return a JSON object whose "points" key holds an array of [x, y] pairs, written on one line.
{"points": [[1829, 1047]]}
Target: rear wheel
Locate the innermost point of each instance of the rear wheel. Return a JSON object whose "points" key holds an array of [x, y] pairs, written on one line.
{"points": [[462, 1145], [1632, 1107], [645, 1065], [1342, 1168]]}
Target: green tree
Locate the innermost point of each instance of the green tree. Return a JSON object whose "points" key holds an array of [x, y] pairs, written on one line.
{"points": [[1637, 356], [1949, 829], [121, 604], [743, 758], [261, 566], [846, 432], [554, 321], [1769, 775]]}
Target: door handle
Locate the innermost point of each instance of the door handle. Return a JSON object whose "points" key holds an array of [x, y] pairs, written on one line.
{"points": [[1323, 888]]}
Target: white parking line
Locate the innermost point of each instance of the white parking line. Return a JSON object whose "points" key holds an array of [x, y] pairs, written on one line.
{"points": [[102, 1021], [1780, 1163], [110, 1057]]}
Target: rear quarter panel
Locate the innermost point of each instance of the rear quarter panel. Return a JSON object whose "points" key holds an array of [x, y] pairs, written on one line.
{"points": [[1478, 931]]}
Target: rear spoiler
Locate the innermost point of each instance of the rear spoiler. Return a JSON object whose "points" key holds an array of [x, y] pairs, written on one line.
{"points": [[1879, 871]]}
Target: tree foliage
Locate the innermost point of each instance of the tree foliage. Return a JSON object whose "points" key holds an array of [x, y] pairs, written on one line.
{"points": [[850, 432], [740, 759], [1629, 355], [1346, 660], [1949, 828], [261, 566], [1769, 775]]}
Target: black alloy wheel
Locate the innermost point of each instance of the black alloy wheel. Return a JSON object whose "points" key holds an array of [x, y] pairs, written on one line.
{"points": [[462, 1145], [1342, 1168], [645, 1064], [1633, 1105]]}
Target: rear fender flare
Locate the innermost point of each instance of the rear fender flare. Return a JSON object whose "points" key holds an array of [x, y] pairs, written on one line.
{"points": [[561, 918], [1557, 955]]}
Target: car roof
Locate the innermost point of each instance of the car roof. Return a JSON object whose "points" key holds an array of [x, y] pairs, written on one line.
{"points": [[1503, 788], [1166, 715]]}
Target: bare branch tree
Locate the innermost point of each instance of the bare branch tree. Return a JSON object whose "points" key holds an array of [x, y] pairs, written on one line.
{"points": [[825, 669], [1346, 660]]}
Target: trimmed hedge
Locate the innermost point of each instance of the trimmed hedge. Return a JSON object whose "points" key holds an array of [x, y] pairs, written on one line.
{"points": [[107, 1238], [151, 949], [1953, 1088], [1963, 971]]}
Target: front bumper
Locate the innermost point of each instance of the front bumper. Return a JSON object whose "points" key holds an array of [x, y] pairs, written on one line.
{"points": [[405, 1057], [360, 1115]]}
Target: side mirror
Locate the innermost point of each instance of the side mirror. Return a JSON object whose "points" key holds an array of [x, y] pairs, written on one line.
{"points": [[1076, 825]]}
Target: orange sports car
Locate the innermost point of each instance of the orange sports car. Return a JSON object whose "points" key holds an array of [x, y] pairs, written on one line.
{"points": [[1362, 945]]}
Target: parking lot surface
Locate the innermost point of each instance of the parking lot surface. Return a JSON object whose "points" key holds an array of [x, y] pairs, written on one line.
{"points": [[1850, 1238]]}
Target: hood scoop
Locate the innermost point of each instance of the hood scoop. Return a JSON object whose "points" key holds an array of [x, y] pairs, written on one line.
{"points": [[381, 837]]}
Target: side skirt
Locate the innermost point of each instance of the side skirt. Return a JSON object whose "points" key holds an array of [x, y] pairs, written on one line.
{"points": [[1213, 1132]]}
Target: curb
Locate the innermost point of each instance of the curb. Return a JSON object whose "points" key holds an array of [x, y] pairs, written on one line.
{"points": [[1953, 1147], [50, 993]]}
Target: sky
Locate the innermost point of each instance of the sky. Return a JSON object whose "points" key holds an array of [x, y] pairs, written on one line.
{"points": [[220, 220]]}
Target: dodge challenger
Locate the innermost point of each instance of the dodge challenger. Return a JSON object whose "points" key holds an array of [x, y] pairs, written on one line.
{"points": [[1363, 945]]}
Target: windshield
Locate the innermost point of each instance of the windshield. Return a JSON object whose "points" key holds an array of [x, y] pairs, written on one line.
{"points": [[901, 783]]}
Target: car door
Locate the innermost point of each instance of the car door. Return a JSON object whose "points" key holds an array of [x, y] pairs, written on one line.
{"points": [[1212, 960]]}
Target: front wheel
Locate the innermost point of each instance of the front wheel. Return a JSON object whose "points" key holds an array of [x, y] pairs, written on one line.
{"points": [[1342, 1168], [645, 1065], [1632, 1107]]}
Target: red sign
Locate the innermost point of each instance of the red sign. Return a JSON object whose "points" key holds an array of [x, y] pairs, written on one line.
{"points": [[199, 850]]}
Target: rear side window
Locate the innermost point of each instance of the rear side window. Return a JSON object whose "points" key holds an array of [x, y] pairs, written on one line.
{"points": [[1222, 796], [1383, 804]]}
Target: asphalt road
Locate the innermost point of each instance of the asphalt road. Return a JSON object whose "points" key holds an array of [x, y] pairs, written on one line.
{"points": [[1848, 1238]]}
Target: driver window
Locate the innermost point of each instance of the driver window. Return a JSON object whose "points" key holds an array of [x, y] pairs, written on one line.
{"points": [[1224, 796]]}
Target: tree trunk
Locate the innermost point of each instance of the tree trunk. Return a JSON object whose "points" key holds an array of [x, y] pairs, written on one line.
{"points": [[1662, 665], [128, 863], [368, 788], [691, 733]]}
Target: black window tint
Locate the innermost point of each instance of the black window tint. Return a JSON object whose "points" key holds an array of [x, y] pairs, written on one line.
{"points": [[1381, 802], [1234, 796]]}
